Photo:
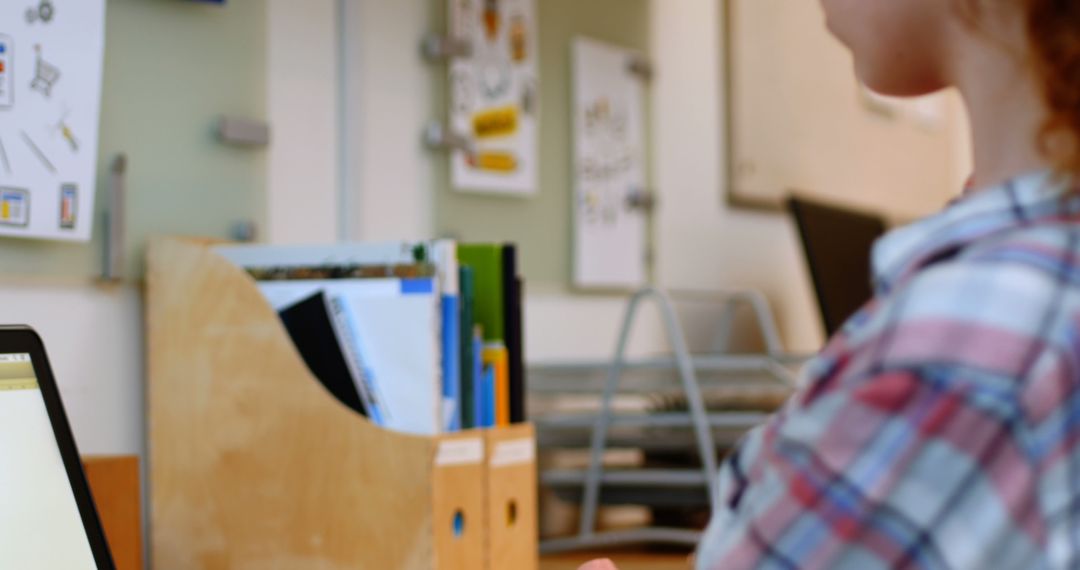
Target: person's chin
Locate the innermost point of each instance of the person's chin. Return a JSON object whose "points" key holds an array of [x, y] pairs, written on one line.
{"points": [[892, 87]]}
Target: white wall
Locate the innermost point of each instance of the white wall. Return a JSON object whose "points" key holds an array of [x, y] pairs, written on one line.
{"points": [[388, 100], [561, 326], [93, 335], [302, 102], [701, 241]]}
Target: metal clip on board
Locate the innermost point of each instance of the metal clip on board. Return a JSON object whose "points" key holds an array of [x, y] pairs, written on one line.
{"points": [[115, 222], [641, 67], [438, 136], [440, 48]]}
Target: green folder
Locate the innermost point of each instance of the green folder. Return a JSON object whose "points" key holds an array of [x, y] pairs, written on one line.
{"points": [[486, 261]]}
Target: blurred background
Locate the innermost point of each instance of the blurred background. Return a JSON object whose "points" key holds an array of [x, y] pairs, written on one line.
{"points": [[734, 106]]}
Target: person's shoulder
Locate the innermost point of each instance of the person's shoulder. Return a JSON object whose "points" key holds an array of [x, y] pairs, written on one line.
{"points": [[1028, 269], [992, 308], [1035, 272], [1052, 246]]}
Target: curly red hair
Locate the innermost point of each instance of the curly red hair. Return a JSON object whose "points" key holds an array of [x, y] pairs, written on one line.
{"points": [[1054, 34]]}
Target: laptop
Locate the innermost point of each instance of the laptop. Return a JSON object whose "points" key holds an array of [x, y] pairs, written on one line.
{"points": [[47, 516], [837, 243]]}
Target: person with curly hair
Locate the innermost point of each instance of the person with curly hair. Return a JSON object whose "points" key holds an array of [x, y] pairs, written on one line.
{"points": [[940, 428]]}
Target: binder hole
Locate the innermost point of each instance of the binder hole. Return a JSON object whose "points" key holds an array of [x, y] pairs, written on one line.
{"points": [[459, 523], [511, 512]]}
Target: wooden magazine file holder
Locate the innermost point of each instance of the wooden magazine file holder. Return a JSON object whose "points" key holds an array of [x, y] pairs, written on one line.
{"points": [[254, 465]]}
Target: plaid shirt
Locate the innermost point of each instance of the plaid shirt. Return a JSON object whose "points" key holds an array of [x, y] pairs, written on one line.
{"points": [[941, 427]]}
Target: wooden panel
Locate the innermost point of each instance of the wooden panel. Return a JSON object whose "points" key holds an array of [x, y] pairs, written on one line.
{"points": [[511, 502], [114, 482], [253, 463], [458, 507]]}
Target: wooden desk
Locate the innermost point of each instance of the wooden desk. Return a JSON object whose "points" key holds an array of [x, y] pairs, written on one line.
{"points": [[114, 482], [626, 560]]}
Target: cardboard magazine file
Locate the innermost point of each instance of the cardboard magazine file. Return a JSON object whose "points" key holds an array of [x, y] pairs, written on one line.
{"points": [[253, 464], [511, 498]]}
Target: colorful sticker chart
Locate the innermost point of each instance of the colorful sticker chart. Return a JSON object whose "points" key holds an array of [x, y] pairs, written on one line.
{"points": [[51, 56], [494, 97]]}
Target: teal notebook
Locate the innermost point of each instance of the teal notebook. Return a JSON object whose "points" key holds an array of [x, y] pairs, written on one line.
{"points": [[467, 284]]}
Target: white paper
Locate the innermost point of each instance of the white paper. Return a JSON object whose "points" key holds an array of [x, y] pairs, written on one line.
{"points": [[386, 253], [494, 96], [443, 253], [51, 57], [284, 293], [609, 166], [398, 334], [513, 452], [460, 452]]}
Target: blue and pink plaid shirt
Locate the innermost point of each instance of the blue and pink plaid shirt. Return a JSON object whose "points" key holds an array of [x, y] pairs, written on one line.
{"points": [[941, 427]]}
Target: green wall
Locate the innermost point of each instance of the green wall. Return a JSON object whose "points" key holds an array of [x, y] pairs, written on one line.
{"points": [[172, 67], [541, 225]]}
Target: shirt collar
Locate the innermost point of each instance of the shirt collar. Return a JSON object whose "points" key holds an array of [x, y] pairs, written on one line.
{"points": [[975, 215]]}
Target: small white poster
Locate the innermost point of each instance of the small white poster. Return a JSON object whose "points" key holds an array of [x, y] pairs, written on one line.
{"points": [[609, 167], [51, 56], [494, 102]]}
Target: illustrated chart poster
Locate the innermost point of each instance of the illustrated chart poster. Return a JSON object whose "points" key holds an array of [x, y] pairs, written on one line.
{"points": [[51, 54], [609, 167], [494, 102]]}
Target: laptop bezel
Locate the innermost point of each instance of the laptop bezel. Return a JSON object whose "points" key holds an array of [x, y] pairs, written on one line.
{"points": [[797, 206], [24, 340]]}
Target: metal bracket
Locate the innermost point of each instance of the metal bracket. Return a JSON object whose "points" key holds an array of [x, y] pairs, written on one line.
{"points": [[243, 231], [641, 199], [439, 48], [438, 136], [695, 402], [242, 131], [687, 366], [115, 222], [641, 67]]}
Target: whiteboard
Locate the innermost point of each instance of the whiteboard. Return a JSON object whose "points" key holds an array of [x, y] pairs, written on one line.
{"points": [[798, 121], [609, 167], [51, 57]]}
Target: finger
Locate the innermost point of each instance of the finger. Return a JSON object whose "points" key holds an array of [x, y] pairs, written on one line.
{"points": [[603, 564]]}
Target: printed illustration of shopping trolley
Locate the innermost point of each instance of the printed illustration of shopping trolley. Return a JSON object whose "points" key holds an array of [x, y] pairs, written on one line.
{"points": [[46, 74]]}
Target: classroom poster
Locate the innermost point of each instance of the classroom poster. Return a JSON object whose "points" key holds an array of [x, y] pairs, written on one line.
{"points": [[494, 101], [51, 54], [609, 167]]}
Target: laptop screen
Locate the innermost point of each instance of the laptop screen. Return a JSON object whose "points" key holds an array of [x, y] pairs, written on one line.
{"points": [[837, 243], [40, 524]]}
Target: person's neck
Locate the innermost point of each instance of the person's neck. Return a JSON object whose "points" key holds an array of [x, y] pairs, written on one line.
{"points": [[1006, 112]]}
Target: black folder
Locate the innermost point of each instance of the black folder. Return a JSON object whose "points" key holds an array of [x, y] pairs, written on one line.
{"points": [[512, 298], [310, 325]]}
